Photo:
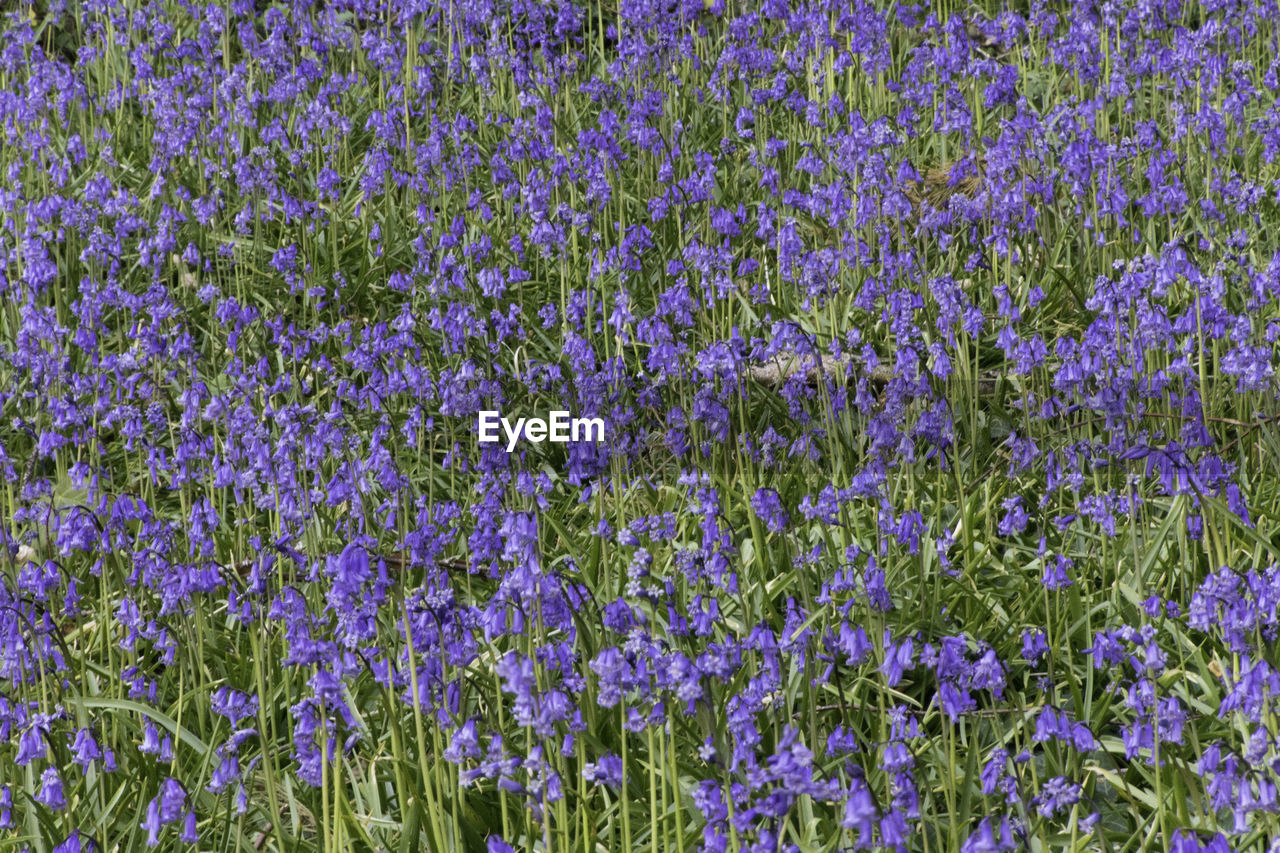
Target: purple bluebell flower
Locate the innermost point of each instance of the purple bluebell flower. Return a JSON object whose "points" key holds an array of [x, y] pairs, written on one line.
{"points": [[50, 794]]}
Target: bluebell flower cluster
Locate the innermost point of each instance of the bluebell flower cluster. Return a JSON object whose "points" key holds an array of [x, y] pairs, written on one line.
{"points": [[936, 353]]}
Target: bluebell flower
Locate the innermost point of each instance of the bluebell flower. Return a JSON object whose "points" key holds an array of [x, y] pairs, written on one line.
{"points": [[607, 769], [152, 823], [1056, 795], [75, 843], [50, 794], [990, 837]]}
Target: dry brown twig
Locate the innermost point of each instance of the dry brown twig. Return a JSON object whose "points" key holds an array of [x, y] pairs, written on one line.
{"points": [[774, 373]]}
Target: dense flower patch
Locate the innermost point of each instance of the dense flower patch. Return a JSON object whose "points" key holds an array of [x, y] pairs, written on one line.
{"points": [[935, 349]]}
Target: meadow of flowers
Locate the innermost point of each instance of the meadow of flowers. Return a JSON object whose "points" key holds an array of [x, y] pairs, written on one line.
{"points": [[936, 347]]}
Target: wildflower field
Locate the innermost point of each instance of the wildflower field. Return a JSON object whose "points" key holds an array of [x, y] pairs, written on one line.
{"points": [[935, 349]]}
